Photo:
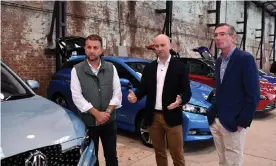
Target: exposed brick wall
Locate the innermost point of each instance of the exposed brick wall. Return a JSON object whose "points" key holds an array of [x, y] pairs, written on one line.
{"points": [[25, 26], [22, 46]]}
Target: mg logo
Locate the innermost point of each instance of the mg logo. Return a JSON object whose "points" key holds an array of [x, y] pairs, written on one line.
{"points": [[36, 159]]}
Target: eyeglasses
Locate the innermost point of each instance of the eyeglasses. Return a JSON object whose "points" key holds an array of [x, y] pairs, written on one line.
{"points": [[222, 34]]}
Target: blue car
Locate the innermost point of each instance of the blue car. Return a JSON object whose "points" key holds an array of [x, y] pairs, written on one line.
{"points": [[269, 77], [36, 131], [130, 117]]}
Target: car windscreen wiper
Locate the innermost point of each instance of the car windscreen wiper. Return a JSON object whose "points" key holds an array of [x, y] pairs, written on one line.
{"points": [[19, 96]]}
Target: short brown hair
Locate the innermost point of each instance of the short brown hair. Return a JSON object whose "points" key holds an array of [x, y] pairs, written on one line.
{"points": [[95, 38], [231, 31]]}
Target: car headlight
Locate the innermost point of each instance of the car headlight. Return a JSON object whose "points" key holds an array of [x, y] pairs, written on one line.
{"points": [[85, 142], [194, 109], [263, 97]]}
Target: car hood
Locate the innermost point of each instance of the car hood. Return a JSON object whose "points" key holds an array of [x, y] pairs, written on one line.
{"points": [[36, 122], [271, 79], [266, 87], [200, 93]]}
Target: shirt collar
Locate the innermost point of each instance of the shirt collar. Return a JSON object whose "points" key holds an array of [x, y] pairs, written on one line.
{"points": [[228, 55], [168, 60], [93, 67]]}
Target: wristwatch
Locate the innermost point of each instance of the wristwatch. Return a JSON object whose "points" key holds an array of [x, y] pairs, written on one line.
{"points": [[108, 110]]}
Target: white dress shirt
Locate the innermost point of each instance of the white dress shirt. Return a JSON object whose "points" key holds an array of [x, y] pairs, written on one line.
{"points": [[82, 104], [160, 78]]}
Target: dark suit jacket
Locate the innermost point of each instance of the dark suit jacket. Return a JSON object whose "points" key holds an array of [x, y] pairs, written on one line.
{"points": [[238, 95], [273, 67], [176, 83]]}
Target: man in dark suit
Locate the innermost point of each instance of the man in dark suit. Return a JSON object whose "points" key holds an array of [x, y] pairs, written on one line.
{"points": [[237, 96], [166, 84]]}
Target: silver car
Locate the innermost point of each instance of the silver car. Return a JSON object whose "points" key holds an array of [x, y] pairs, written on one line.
{"points": [[36, 131]]}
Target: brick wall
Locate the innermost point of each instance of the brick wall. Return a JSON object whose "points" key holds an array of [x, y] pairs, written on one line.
{"points": [[25, 26]]}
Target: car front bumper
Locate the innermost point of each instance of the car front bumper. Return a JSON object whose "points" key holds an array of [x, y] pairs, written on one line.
{"points": [[88, 157], [195, 127], [266, 105], [55, 155]]}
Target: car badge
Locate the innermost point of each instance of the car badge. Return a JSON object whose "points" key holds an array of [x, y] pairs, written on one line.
{"points": [[36, 159]]}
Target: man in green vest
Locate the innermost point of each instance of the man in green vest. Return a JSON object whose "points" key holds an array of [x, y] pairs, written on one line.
{"points": [[96, 91]]}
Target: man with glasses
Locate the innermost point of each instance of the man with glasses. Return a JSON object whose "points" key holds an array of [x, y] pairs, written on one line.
{"points": [[237, 96]]}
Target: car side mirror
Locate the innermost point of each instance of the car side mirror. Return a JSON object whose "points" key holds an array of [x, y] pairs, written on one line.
{"points": [[126, 83], [33, 84], [140, 74], [2, 96]]}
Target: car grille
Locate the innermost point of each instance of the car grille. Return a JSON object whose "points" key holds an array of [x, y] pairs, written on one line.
{"points": [[70, 157], [53, 156], [199, 132], [212, 96]]}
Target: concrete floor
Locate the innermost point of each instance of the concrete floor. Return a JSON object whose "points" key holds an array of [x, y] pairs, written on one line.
{"points": [[260, 147]]}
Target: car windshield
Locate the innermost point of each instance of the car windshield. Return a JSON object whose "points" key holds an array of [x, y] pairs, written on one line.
{"points": [[211, 63], [207, 55], [11, 87], [137, 66]]}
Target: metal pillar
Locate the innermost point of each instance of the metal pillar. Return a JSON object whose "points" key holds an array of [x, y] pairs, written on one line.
{"points": [[50, 34], [217, 11], [218, 3], [263, 5], [167, 28], [262, 36], [59, 21], [60, 28], [169, 13], [245, 24], [119, 20], [243, 42], [274, 40]]}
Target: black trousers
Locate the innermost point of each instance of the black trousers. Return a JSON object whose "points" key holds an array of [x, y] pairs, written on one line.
{"points": [[108, 135]]}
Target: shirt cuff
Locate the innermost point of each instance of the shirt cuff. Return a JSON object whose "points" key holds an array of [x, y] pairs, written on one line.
{"points": [[116, 102], [87, 107]]}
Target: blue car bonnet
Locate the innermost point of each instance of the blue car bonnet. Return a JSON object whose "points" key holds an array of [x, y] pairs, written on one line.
{"points": [[200, 93]]}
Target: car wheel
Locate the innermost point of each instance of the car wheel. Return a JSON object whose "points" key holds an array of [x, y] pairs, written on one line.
{"points": [[60, 100], [143, 132]]}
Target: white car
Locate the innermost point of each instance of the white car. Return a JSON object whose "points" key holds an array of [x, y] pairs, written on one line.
{"points": [[37, 132]]}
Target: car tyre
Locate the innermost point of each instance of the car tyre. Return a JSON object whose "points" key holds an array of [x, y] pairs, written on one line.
{"points": [[143, 132], [60, 100]]}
